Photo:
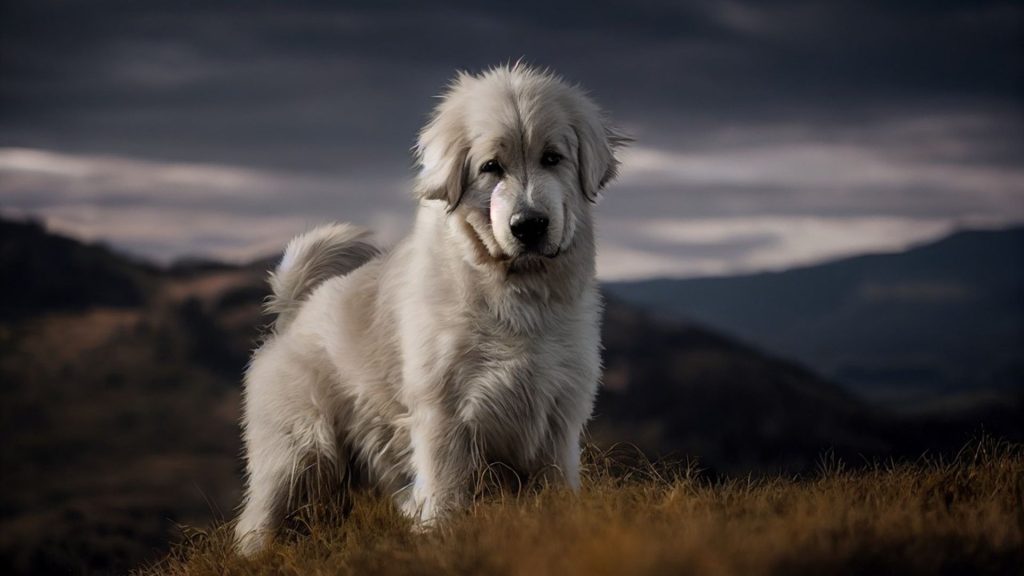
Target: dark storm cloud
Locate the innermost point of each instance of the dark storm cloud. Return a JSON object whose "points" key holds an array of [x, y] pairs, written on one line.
{"points": [[314, 85], [793, 109]]}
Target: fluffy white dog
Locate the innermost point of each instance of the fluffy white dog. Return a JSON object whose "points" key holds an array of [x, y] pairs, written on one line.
{"points": [[475, 340]]}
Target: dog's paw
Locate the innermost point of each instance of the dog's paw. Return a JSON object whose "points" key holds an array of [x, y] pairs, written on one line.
{"points": [[426, 511], [251, 542], [423, 513]]}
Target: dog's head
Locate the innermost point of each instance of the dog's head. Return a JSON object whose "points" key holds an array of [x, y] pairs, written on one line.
{"points": [[518, 155]]}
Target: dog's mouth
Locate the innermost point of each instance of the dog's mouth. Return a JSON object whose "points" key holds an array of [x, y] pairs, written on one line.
{"points": [[527, 264], [530, 262]]}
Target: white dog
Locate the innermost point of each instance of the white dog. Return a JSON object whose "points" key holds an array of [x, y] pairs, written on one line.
{"points": [[475, 340]]}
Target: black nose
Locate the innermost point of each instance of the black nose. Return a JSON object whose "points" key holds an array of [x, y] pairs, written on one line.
{"points": [[529, 227]]}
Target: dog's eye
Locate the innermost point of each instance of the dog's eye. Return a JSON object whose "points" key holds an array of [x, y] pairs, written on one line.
{"points": [[550, 159], [491, 166]]}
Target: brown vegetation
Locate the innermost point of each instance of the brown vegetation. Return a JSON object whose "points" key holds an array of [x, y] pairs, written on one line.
{"points": [[961, 516]]}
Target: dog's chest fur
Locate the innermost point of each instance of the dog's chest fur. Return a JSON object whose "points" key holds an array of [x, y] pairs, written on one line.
{"points": [[510, 390]]}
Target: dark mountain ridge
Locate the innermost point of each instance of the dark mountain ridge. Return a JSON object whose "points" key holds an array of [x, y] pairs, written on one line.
{"points": [[946, 317]]}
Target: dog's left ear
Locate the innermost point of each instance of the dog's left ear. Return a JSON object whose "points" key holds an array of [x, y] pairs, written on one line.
{"points": [[597, 144], [442, 152]]}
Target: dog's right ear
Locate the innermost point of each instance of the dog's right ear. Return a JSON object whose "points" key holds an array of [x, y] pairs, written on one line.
{"points": [[443, 155]]}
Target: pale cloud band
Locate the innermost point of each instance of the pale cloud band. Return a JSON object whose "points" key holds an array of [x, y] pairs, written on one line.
{"points": [[165, 210], [721, 246]]}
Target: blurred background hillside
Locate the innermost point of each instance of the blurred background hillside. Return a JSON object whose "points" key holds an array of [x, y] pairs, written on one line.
{"points": [[816, 244]]}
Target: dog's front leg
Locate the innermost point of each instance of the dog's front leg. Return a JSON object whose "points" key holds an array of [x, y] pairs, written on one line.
{"points": [[569, 457], [442, 464], [561, 464]]}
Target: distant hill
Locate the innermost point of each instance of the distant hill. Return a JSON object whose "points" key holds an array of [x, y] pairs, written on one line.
{"points": [[47, 272], [944, 318], [121, 397], [679, 389]]}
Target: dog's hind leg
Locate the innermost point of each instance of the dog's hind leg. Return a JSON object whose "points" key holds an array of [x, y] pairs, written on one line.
{"points": [[271, 470], [286, 429]]}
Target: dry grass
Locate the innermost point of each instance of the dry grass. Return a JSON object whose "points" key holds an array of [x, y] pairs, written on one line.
{"points": [[965, 515]]}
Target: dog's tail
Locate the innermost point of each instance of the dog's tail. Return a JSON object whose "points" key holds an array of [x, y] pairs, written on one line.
{"points": [[322, 253]]}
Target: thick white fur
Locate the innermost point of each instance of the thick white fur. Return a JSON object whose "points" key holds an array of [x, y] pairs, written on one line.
{"points": [[458, 348]]}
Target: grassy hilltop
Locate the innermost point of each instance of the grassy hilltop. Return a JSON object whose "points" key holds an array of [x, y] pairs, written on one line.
{"points": [[932, 517]]}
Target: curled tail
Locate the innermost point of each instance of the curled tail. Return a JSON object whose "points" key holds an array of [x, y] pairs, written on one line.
{"points": [[322, 253]]}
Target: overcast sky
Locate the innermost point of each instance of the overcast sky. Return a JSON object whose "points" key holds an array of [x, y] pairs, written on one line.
{"points": [[768, 134]]}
